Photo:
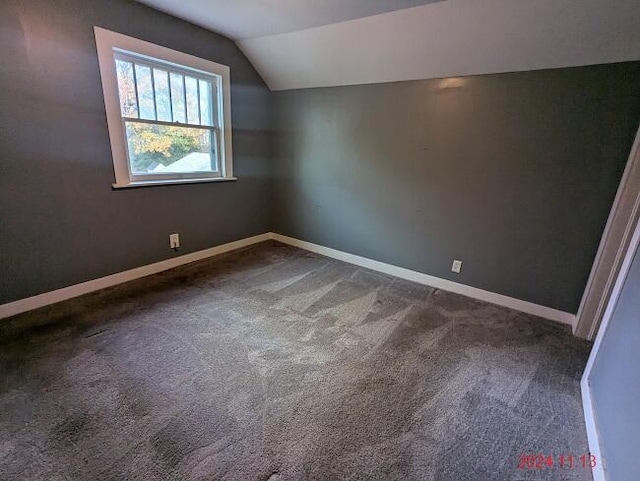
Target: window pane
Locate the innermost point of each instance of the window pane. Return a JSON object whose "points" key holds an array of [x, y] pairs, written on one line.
{"points": [[163, 104], [158, 149], [145, 92], [205, 102], [177, 97], [127, 89], [191, 85]]}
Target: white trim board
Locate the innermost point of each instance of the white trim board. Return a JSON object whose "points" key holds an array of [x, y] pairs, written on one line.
{"points": [[437, 282], [592, 431], [613, 247], [52, 297]]}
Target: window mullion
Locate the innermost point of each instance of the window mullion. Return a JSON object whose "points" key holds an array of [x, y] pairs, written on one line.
{"points": [[153, 91], [184, 93], [199, 112], [170, 95], [135, 87]]}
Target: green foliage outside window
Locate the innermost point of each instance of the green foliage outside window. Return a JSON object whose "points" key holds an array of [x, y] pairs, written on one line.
{"points": [[158, 144]]}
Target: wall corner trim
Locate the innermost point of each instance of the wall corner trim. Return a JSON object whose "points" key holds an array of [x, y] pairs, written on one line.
{"points": [[592, 431], [432, 281], [58, 295]]}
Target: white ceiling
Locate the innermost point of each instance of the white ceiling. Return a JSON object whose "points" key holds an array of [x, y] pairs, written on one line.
{"points": [[242, 19], [434, 40]]}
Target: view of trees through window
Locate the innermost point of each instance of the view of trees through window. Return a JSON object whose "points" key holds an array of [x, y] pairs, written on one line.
{"points": [[168, 119], [153, 145]]}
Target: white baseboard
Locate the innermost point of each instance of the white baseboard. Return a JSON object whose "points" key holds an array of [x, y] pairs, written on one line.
{"points": [[41, 300], [598, 472], [437, 282]]}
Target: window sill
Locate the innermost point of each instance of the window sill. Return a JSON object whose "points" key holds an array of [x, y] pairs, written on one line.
{"points": [[149, 183]]}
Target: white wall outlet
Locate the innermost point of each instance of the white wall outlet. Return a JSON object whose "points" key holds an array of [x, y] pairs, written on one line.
{"points": [[457, 265], [174, 241]]}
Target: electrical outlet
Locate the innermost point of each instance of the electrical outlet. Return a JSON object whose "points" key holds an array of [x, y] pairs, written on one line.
{"points": [[457, 265], [174, 241]]}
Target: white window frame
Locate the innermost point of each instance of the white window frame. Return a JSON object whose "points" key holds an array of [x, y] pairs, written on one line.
{"points": [[109, 45]]}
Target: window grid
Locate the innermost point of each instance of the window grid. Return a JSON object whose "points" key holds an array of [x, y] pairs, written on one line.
{"points": [[211, 83], [184, 74]]}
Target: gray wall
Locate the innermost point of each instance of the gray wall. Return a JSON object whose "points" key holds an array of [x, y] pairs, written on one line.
{"points": [[615, 383], [61, 222], [512, 173]]}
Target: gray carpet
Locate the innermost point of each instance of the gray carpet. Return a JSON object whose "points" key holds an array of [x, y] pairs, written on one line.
{"points": [[272, 363]]}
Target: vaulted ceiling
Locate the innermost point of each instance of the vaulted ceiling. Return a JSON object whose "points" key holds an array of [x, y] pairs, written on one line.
{"points": [[317, 43], [242, 19]]}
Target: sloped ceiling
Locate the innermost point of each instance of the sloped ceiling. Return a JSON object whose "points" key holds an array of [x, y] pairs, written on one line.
{"points": [[242, 19], [441, 39]]}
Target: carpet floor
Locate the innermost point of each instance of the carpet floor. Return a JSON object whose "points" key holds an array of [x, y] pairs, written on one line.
{"points": [[272, 363]]}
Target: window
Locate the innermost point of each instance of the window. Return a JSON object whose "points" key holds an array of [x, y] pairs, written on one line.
{"points": [[168, 113]]}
